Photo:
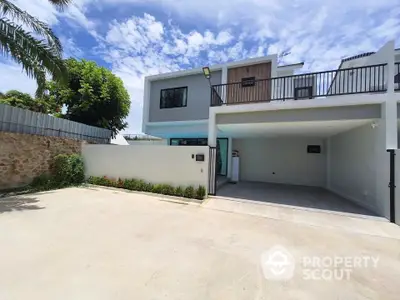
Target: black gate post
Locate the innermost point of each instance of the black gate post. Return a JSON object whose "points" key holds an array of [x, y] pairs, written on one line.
{"points": [[392, 185], [212, 171]]}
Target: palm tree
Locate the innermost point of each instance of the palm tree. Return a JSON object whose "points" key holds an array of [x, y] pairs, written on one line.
{"points": [[38, 52]]}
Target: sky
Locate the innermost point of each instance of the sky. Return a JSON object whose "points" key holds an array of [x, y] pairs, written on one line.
{"points": [[137, 38]]}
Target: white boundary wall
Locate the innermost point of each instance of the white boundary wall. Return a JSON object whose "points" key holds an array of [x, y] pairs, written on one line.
{"points": [[153, 163]]}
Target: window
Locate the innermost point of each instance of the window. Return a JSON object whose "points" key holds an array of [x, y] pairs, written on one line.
{"points": [[189, 142], [248, 81], [303, 92], [397, 78], [175, 97]]}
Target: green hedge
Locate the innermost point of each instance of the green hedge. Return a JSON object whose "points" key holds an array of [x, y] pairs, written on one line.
{"points": [[66, 170], [141, 185]]}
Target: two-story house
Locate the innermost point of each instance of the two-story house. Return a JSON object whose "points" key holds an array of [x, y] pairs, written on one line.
{"points": [[328, 129]]}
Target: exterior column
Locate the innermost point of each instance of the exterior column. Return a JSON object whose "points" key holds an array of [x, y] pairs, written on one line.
{"points": [[389, 111], [212, 130], [229, 169], [390, 67], [224, 80], [390, 107]]}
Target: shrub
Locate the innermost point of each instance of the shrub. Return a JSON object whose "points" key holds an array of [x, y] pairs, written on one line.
{"points": [[120, 183], [200, 192], [179, 191], [157, 188], [148, 187], [164, 189], [68, 169], [190, 192], [168, 190], [131, 184], [141, 185], [110, 182], [77, 174], [61, 168]]}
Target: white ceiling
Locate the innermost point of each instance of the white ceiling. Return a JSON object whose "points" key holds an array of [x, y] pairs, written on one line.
{"points": [[309, 129]]}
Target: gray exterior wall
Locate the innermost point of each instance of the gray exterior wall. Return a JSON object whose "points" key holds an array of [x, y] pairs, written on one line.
{"points": [[198, 98], [297, 115]]}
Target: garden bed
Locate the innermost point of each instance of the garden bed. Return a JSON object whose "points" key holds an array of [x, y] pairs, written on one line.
{"points": [[189, 192]]}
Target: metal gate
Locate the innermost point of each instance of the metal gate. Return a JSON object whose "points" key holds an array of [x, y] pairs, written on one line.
{"points": [[212, 172], [392, 185]]}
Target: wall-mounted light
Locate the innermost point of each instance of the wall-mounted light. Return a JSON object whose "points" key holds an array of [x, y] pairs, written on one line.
{"points": [[207, 72]]}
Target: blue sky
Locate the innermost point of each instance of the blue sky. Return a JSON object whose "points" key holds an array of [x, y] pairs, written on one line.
{"points": [[136, 38]]}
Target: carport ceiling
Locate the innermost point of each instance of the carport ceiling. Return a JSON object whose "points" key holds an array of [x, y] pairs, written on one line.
{"points": [[309, 129]]}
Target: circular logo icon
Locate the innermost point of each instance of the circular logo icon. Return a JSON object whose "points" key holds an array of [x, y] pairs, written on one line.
{"points": [[277, 264]]}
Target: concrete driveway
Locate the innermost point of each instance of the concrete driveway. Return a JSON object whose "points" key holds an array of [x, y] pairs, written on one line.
{"points": [[95, 243]]}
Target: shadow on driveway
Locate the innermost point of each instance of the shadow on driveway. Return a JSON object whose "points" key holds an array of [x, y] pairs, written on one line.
{"points": [[18, 203]]}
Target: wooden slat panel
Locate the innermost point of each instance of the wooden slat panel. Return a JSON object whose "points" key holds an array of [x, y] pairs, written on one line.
{"points": [[260, 92]]}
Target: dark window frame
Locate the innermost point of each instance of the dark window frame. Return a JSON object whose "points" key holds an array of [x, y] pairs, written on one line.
{"points": [[174, 89], [297, 89], [248, 81], [397, 78]]}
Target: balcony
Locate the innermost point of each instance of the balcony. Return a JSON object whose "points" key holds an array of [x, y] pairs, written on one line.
{"points": [[359, 80]]}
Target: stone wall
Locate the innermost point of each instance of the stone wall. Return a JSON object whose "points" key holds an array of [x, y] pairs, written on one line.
{"points": [[25, 156]]}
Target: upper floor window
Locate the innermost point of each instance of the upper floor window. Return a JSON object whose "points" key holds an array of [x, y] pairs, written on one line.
{"points": [[303, 92], [174, 97]]}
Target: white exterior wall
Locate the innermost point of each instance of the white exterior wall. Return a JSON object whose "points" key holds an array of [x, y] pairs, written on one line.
{"points": [[156, 164], [359, 167], [286, 157]]}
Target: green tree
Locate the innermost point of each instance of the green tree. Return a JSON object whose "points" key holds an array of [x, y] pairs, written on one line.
{"points": [[93, 95], [39, 52], [24, 100]]}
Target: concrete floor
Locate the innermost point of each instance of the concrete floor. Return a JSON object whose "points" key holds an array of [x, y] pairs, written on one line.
{"points": [[292, 195], [95, 244]]}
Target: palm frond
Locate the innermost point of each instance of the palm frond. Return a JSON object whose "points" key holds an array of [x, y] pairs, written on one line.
{"points": [[35, 56], [60, 3], [11, 11]]}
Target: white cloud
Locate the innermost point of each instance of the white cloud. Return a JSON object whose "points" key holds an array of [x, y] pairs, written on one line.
{"points": [[70, 48], [12, 77], [142, 46]]}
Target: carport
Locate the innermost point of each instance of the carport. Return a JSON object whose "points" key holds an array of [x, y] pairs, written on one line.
{"points": [[329, 158], [297, 196]]}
